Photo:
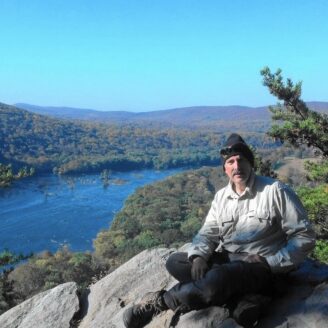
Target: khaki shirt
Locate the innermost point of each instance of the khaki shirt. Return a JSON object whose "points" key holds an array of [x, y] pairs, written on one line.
{"points": [[268, 219]]}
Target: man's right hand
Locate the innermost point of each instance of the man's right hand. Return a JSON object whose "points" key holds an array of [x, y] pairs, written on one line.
{"points": [[199, 268]]}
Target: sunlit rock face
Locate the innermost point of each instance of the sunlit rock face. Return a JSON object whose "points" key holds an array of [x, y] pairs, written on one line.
{"points": [[54, 308], [302, 300]]}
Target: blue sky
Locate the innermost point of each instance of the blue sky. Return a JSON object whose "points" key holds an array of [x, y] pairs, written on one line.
{"points": [[141, 55]]}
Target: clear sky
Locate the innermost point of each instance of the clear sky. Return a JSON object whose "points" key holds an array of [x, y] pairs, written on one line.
{"points": [[141, 55]]}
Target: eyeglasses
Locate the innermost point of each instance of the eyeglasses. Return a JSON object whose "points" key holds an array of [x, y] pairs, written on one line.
{"points": [[227, 151], [239, 147]]}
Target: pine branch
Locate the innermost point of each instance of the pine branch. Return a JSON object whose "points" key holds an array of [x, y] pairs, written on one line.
{"points": [[302, 126]]}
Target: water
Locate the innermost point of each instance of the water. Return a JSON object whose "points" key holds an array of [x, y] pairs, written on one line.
{"points": [[46, 212]]}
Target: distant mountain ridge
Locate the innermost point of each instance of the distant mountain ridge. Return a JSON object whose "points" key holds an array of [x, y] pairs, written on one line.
{"points": [[222, 117], [210, 112], [73, 113], [168, 114]]}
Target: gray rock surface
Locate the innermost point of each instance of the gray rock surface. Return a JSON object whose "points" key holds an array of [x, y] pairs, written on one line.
{"points": [[211, 317], [110, 296], [303, 303], [53, 308]]}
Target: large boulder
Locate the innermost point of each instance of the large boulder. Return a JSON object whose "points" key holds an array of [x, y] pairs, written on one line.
{"points": [[302, 302], [211, 317], [110, 296], [54, 308]]}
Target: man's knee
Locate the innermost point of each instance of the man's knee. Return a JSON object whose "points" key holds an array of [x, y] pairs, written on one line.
{"points": [[176, 259], [179, 266]]}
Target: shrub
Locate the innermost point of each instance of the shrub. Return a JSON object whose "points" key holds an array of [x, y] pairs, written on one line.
{"points": [[321, 251]]}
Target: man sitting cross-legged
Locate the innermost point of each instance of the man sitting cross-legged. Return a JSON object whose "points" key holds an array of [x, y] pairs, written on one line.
{"points": [[256, 228]]}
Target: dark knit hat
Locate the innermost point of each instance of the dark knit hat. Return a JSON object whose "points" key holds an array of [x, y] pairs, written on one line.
{"points": [[235, 145]]}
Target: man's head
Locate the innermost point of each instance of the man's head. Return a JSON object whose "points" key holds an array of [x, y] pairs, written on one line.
{"points": [[238, 159], [235, 145]]}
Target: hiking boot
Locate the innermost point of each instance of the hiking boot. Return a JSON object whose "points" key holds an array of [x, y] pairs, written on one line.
{"points": [[139, 315], [249, 310]]}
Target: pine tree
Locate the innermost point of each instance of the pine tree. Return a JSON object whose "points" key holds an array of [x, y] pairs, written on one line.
{"points": [[299, 125]]}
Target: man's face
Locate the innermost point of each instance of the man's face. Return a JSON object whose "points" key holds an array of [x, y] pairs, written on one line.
{"points": [[238, 169]]}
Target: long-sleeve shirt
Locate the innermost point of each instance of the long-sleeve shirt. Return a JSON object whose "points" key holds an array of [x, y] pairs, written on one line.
{"points": [[267, 219]]}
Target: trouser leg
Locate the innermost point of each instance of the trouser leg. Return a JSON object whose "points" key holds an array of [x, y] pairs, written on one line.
{"points": [[219, 284], [179, 266]]}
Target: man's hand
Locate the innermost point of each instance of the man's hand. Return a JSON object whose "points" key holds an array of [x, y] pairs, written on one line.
{"points": [[255, 258], [199, 268]]}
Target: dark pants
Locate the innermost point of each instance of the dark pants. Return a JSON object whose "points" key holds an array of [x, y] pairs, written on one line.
{"points": [[227, 277]]}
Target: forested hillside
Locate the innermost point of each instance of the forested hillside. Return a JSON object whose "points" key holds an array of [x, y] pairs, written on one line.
{"points": [[62, 146], [66, 146]]}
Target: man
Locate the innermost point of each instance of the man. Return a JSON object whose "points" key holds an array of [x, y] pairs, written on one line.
{"points": [[256, 228]]}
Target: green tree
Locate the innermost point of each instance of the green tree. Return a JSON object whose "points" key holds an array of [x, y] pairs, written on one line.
{"points": [[7, 257], [315, 200], [7, 175], [317, 171], [300, 126], [6, 293], [47, 270], [263, 167]]}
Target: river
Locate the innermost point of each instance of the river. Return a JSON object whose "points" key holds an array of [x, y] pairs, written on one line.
{"points": [[46, 212]]}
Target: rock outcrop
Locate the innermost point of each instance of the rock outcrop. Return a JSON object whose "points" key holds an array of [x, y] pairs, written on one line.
{"points": [[54, 308], [110, 296], [304, 302]]}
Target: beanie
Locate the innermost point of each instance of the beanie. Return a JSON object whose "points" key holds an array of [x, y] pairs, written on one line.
{"points": [[235, 145]]}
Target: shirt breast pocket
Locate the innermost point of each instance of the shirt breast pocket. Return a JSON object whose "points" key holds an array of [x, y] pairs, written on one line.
{"points": [[253, 227], [226, 226]]}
